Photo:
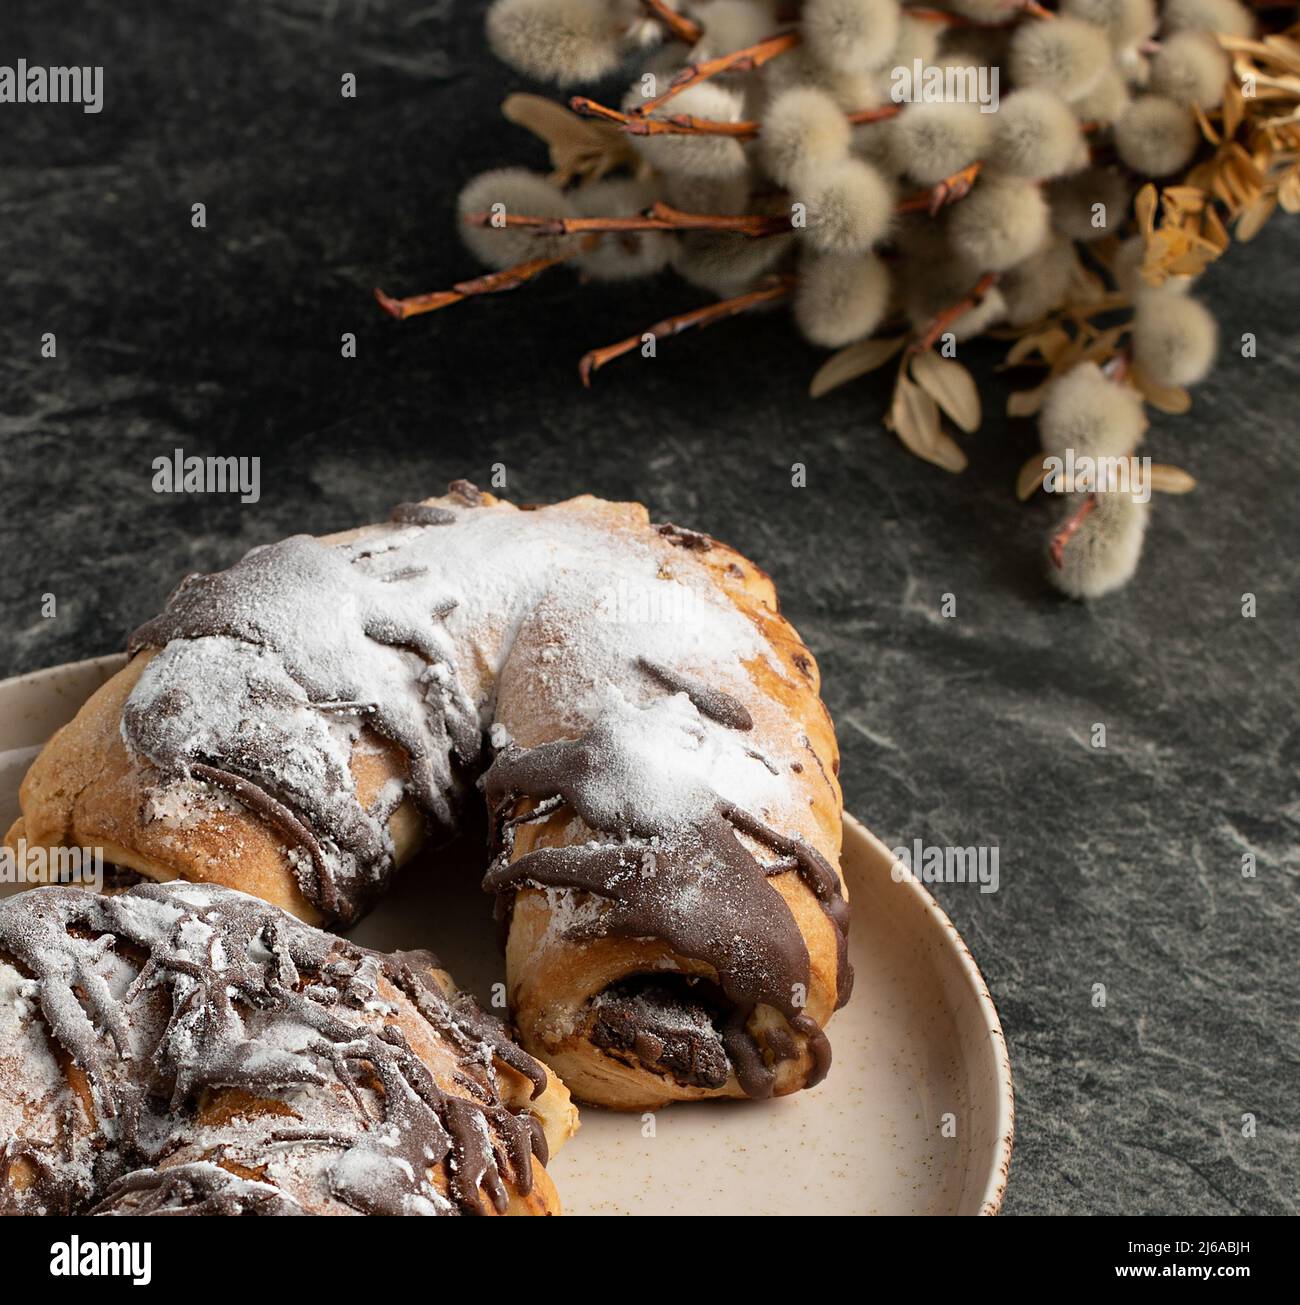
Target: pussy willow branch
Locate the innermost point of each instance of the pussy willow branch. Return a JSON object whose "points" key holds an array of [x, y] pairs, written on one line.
{"points": [[745, 60], [492, 283], [678, 25], [770, 291], [658, 217], [941, 321], [687, 124], [681, 124]]}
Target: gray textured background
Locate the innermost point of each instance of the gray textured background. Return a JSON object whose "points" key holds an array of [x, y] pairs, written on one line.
{"points": [[1119, 866]]}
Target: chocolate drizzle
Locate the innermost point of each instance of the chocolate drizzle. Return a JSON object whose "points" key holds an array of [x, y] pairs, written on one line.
{"points": [[686, 885], [267, 676], [223, 991], [199, 1188], [246, 657], [421, 514], [709, 702], [684, 538]]}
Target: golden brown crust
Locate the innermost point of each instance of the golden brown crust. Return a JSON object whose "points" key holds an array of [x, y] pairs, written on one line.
{"points": [[86, 790]]}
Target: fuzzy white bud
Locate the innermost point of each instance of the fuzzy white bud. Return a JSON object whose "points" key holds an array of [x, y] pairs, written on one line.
{"points": [[840, 298], [1175, 337], [1156, 137]]}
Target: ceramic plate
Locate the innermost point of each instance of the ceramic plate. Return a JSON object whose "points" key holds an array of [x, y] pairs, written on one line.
{"points": [[915, 1117]]}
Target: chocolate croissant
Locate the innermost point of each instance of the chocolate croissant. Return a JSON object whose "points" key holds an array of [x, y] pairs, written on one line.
{"points": [[659, 772], [186, 1048]]}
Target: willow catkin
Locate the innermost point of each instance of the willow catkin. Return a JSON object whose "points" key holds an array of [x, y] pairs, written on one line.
{"points": [[917, 39], [726, 264], [1035, 134], [695, 194], [1106, 102], [1104, 552], [1225, 16], [1190, 68], [700, 156], [1002, 221], [931, 141], [850, 206], [1089, 205], [974, 47], [1156, 137], [849, 35], [1039, 284], [1175, 337], [621, 255], [560, 41], [857, 89], [992, 12], [802, 128], [929, 286], [1065, 56], [1125, 22], [732, 25], [840, 298], [503, 192], [1092, 416]]}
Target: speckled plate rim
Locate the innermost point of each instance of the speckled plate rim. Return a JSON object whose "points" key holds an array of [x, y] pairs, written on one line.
{"points": [[995, 1047], [58, 691]]}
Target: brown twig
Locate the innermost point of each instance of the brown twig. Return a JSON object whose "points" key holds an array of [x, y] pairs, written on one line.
{"points": [[1066, 532], [947, 191], [939, 16], [744, 60], [681, 27], [687, 124], [941, 321], [680, 124], [492, 283], [775, 288], [658, 217], [881, 113]]}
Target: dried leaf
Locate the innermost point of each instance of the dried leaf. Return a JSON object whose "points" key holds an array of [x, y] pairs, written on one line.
{"points": [[1105, 344], [1288, 193], [1031, 477], [551, 122], [1283, 50], [1025, 403], [1047, 343], [579, 147], [1184, 198], [1144, 206], [851, 362], [1233, 108], [951, 386], [1216, 234], [914, 418], [1253, 216], [1165, 398], [1171, 480]]}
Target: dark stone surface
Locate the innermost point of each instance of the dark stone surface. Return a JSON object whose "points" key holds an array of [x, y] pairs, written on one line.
{"points": [[1119, 866]]}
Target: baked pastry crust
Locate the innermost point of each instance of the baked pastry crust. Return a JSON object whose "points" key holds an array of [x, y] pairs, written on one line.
{"points": [[660, 770], [185, 1048]]}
